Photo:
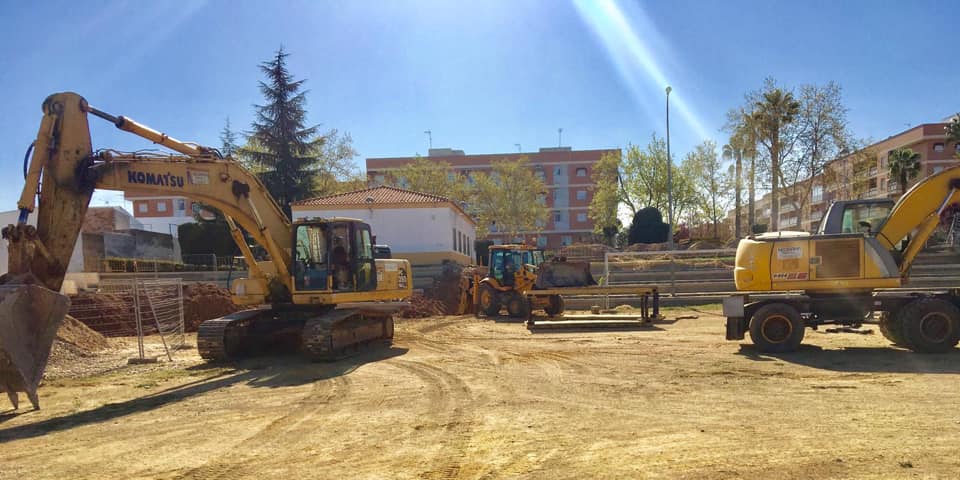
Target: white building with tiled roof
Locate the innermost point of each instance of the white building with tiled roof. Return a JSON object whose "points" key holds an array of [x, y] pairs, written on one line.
{"points": [[423, 228]]}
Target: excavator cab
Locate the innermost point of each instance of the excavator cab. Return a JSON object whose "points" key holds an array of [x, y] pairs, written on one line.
{"points": [[334, 255]]}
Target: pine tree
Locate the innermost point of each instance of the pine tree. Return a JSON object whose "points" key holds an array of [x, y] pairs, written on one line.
{"points": [[228, 140], [288, 149]]}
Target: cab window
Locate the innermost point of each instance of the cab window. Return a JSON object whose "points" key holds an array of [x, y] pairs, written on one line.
{"points": [[864, 218]]}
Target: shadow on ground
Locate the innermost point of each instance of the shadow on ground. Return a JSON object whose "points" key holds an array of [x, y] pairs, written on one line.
{"points": [[272, 372], [862, 359]]}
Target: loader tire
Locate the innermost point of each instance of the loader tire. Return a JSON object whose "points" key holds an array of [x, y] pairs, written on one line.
{"points": [[777, 328], [930, 325], [891, 327], [489, 301], [518, 306], [554, 306]]}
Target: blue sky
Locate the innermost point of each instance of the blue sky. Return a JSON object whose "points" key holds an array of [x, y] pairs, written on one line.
{"points": [[482, 76]]}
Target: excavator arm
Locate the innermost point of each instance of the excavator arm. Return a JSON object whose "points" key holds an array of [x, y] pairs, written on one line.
{"points": [[918, 211], [64, 170]]}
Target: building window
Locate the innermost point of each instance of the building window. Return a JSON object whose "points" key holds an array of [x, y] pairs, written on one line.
{"points": [[581, 172], [558, 172], [581, 194], [556, 193], [542, 198], [938, 147], [161, 206], [566, 240], [454, 239], [581, 217], [542, 241], [142, 207], [817, 193], [540, 174], [181, 205], [557, 217], [378, 179]]}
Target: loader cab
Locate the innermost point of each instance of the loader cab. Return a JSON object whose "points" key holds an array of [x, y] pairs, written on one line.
{"points": [[334, 255], [507, 260], [855, 216]]}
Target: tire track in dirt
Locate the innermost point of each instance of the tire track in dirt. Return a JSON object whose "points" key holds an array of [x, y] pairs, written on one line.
{"points": [[243, 459], [450, 397]]}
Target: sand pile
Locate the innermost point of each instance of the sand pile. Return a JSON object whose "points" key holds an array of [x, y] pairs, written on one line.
{"points": [[203, 301], [75, 341], [108, 313], [422, 307]]}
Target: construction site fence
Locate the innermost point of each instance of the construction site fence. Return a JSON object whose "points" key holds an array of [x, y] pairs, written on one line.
{"points": [[141, 308], [189, 263], [674, 271]]}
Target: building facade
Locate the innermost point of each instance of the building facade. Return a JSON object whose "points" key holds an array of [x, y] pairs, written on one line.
{"points": [[425, 229], [862, 175], [162, 214], [566, 173]]}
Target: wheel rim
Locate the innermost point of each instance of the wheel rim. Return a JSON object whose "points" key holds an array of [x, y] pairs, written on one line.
{"points": [[776, 328], [486, 298], [935, 327]]}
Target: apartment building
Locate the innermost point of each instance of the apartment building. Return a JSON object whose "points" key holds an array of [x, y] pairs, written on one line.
{"points": [[566, 173], [846, 178], [161, 214]]}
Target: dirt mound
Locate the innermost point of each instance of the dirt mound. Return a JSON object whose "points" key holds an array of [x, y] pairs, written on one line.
{"points": [[108, 313], [647, 247], [203, 301], [708, 244], [74, 342], [422, 307]]}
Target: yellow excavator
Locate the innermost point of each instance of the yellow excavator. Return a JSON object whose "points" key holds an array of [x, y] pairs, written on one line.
{"points": [[838, 274], [326, 292]]}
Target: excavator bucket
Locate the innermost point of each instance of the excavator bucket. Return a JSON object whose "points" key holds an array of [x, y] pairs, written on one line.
{"points": [[564, 274], [30, 316]]}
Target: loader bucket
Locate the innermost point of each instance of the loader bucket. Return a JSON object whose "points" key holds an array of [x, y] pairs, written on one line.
{"points": [[564, 274], [30, 316]]}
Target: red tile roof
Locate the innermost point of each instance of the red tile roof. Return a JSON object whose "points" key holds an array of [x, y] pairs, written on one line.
{"points": [[382, 195]]}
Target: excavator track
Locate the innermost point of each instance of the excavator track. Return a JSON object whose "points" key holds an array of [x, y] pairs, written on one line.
{"points": [[340, 333], [224, 338]]}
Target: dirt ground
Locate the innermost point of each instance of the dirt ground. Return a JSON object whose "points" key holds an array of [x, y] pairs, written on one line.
{"points": [[458, 397]]}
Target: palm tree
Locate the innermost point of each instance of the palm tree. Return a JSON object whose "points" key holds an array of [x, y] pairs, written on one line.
{"points": [[904, 164], [774, 110], [736, 149], [953, 133]]}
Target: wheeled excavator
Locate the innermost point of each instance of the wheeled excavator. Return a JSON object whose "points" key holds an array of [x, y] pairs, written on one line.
{"points": [[838, 275], [326, 293]]}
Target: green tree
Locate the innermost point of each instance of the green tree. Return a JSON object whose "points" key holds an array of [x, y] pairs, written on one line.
{"points": [[904, 165], [742, 145], [435, 177], [713, 184], [605, 203], [334, 166], [821, 136], [774, 111], [509, 197], [228, 140], [953, 133], [644, 180], [287, 150]]}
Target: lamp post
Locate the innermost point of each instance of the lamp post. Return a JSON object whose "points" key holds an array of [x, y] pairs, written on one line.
{"points": [[559, 137], [429, 137], [669, 179], [518, 147]]}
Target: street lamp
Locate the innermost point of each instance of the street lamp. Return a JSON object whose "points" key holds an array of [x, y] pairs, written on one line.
{"points": [[429, 137], [559, 137], [518, 147], [669, 179]]}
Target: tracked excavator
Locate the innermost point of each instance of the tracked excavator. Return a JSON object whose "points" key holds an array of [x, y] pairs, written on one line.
{"points": [[326, 293], [839, 275]]}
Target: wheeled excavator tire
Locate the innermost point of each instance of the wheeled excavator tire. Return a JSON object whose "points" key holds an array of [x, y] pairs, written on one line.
{"points": [[890, 326], [518, 306], [930, 325], [777, 328]]}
